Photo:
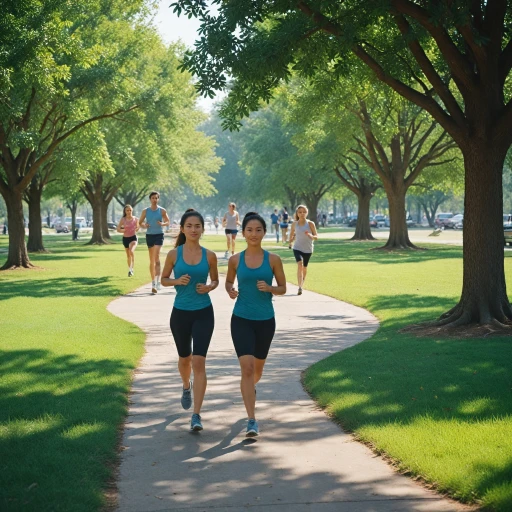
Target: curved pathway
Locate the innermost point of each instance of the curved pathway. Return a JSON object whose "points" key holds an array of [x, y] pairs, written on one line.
{"points": [[302, 461]]}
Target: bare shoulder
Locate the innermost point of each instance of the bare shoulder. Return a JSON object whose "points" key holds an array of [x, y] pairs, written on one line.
{"points": [[274, 258], [234, 260], [171, 255], [211, 255]]}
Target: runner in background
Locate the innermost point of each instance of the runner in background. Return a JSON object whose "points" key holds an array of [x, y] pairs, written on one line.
{"points": [[231, 221], [129, 225], [154, 219]]}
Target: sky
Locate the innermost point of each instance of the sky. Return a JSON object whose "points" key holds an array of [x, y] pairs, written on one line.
{"points": [[172, 28]]}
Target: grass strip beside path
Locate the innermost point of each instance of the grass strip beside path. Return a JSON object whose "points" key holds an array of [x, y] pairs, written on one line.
{"points": [[65, 370], [439, 408]]}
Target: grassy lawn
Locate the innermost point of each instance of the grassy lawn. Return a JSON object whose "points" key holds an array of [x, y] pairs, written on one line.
{"points": [[441, 409], [65, 369]]}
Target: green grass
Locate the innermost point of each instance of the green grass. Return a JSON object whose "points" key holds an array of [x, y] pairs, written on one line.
{"points": [[65, 370], [440, 408]]}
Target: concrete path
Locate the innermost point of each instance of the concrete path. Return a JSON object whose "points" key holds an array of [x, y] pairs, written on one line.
{"points": [[302, 461]]}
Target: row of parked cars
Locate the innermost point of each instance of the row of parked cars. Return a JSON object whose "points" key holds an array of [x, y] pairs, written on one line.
{"points": [[507, 228], [449, 221]]}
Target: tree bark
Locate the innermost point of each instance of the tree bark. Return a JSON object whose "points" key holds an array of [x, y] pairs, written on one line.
{"points": [[398, 233], [484, 298], [35, 229], [17, 255], [363, 230], [93, 191]]}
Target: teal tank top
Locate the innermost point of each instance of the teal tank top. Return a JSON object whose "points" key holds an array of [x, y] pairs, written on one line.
{"points": [[152, 216], [251, 303], [187, 297]]}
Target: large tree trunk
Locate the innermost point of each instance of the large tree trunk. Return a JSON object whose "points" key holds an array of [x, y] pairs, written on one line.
{"points": [[97, 224], [104, 220], [484, 297], [398, 233], [363, 230], [35, 229], [312, 204], [17, 255], [94, 193]]}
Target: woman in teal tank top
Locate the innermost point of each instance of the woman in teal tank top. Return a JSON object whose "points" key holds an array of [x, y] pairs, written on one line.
{"points": [[192, 319], [253, 323]]}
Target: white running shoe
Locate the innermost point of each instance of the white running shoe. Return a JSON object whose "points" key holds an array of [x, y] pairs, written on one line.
{"points": [[158, 285], [226, 254], [153, 288]]}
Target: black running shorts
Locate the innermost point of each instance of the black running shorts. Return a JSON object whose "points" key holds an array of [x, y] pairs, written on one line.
{"points": [[127, 240], [152, 240], [252, 337], [302, 256], [192, 329]]}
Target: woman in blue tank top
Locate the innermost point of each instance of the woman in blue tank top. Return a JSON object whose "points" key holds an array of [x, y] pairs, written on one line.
{"points": [[192, 319], [253, 323]]}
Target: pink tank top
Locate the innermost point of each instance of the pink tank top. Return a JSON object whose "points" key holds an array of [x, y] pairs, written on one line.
{"points": [[129, 227]]}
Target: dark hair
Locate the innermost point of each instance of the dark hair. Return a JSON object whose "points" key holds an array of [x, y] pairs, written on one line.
{"points": [[124, 209], [181, 238], [254, 216], [153, 193]]}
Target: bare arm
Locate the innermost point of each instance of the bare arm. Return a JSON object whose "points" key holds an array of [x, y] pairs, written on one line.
{"points": [[165, 279], [224, 221], [292, 232], [165, 217], [231, 276], [214, 275], [277, 268], [137, 225], [120, 226], [238, 223], [313, 235], [142, 220]]}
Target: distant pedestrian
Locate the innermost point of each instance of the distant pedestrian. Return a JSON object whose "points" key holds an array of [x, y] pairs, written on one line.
{"points": [[275, 217], [154, 219], [192, 320], [231, 221], [253, 323], [128, 226], [285, 217], [324, 220], [216, 223], [5, 228], [303, 234]]}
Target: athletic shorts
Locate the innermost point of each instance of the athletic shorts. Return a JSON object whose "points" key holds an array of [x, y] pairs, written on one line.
{"points": [[302, 256], [231, 231], [252, 337], [283, 225], [152, 240], [127, 240], [192, 329]]}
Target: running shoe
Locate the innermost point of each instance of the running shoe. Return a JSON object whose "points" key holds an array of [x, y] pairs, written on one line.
{"points": [[226, 254], [299, 292], [186, 397], [252, 428], [158, 286], [130, 273], [195, 423], [153, 288]]}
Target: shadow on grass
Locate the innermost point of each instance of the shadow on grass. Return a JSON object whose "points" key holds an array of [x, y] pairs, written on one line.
{"points": [[61, 287], [58, 428], [397, 381]]}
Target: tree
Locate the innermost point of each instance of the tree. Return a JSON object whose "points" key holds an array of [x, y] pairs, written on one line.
{"points": [[61, 70], [275, 164], [451, 58]]}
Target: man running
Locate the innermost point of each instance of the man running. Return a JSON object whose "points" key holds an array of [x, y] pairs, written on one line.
{"points": [[154, 219], [275, 217]]}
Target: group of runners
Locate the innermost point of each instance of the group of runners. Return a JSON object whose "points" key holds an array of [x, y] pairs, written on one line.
{"points": [[192, 318]]}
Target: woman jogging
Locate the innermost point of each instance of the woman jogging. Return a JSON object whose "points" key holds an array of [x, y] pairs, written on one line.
{"points": [[192, 319], [285, 217], [129, 225], [253, 323], [303, 235], [231, 221]]}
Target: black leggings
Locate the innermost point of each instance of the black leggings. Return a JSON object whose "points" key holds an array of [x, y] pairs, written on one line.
{"points": [[252, 337], [194, 325]]}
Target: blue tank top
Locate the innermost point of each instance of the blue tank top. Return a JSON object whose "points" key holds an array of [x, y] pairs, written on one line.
{"points": [[187, 297], [251, 303], [152, 218]]}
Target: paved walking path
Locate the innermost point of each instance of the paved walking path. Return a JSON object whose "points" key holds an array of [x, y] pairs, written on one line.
{"points": [[302, 461]]}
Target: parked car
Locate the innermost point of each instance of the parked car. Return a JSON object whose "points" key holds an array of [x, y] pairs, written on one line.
{"points": [[378, 221], [352, 221], [441, 219], [453, 221], [111, 225], [61, 227], [410, 223], [507, 228]]}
